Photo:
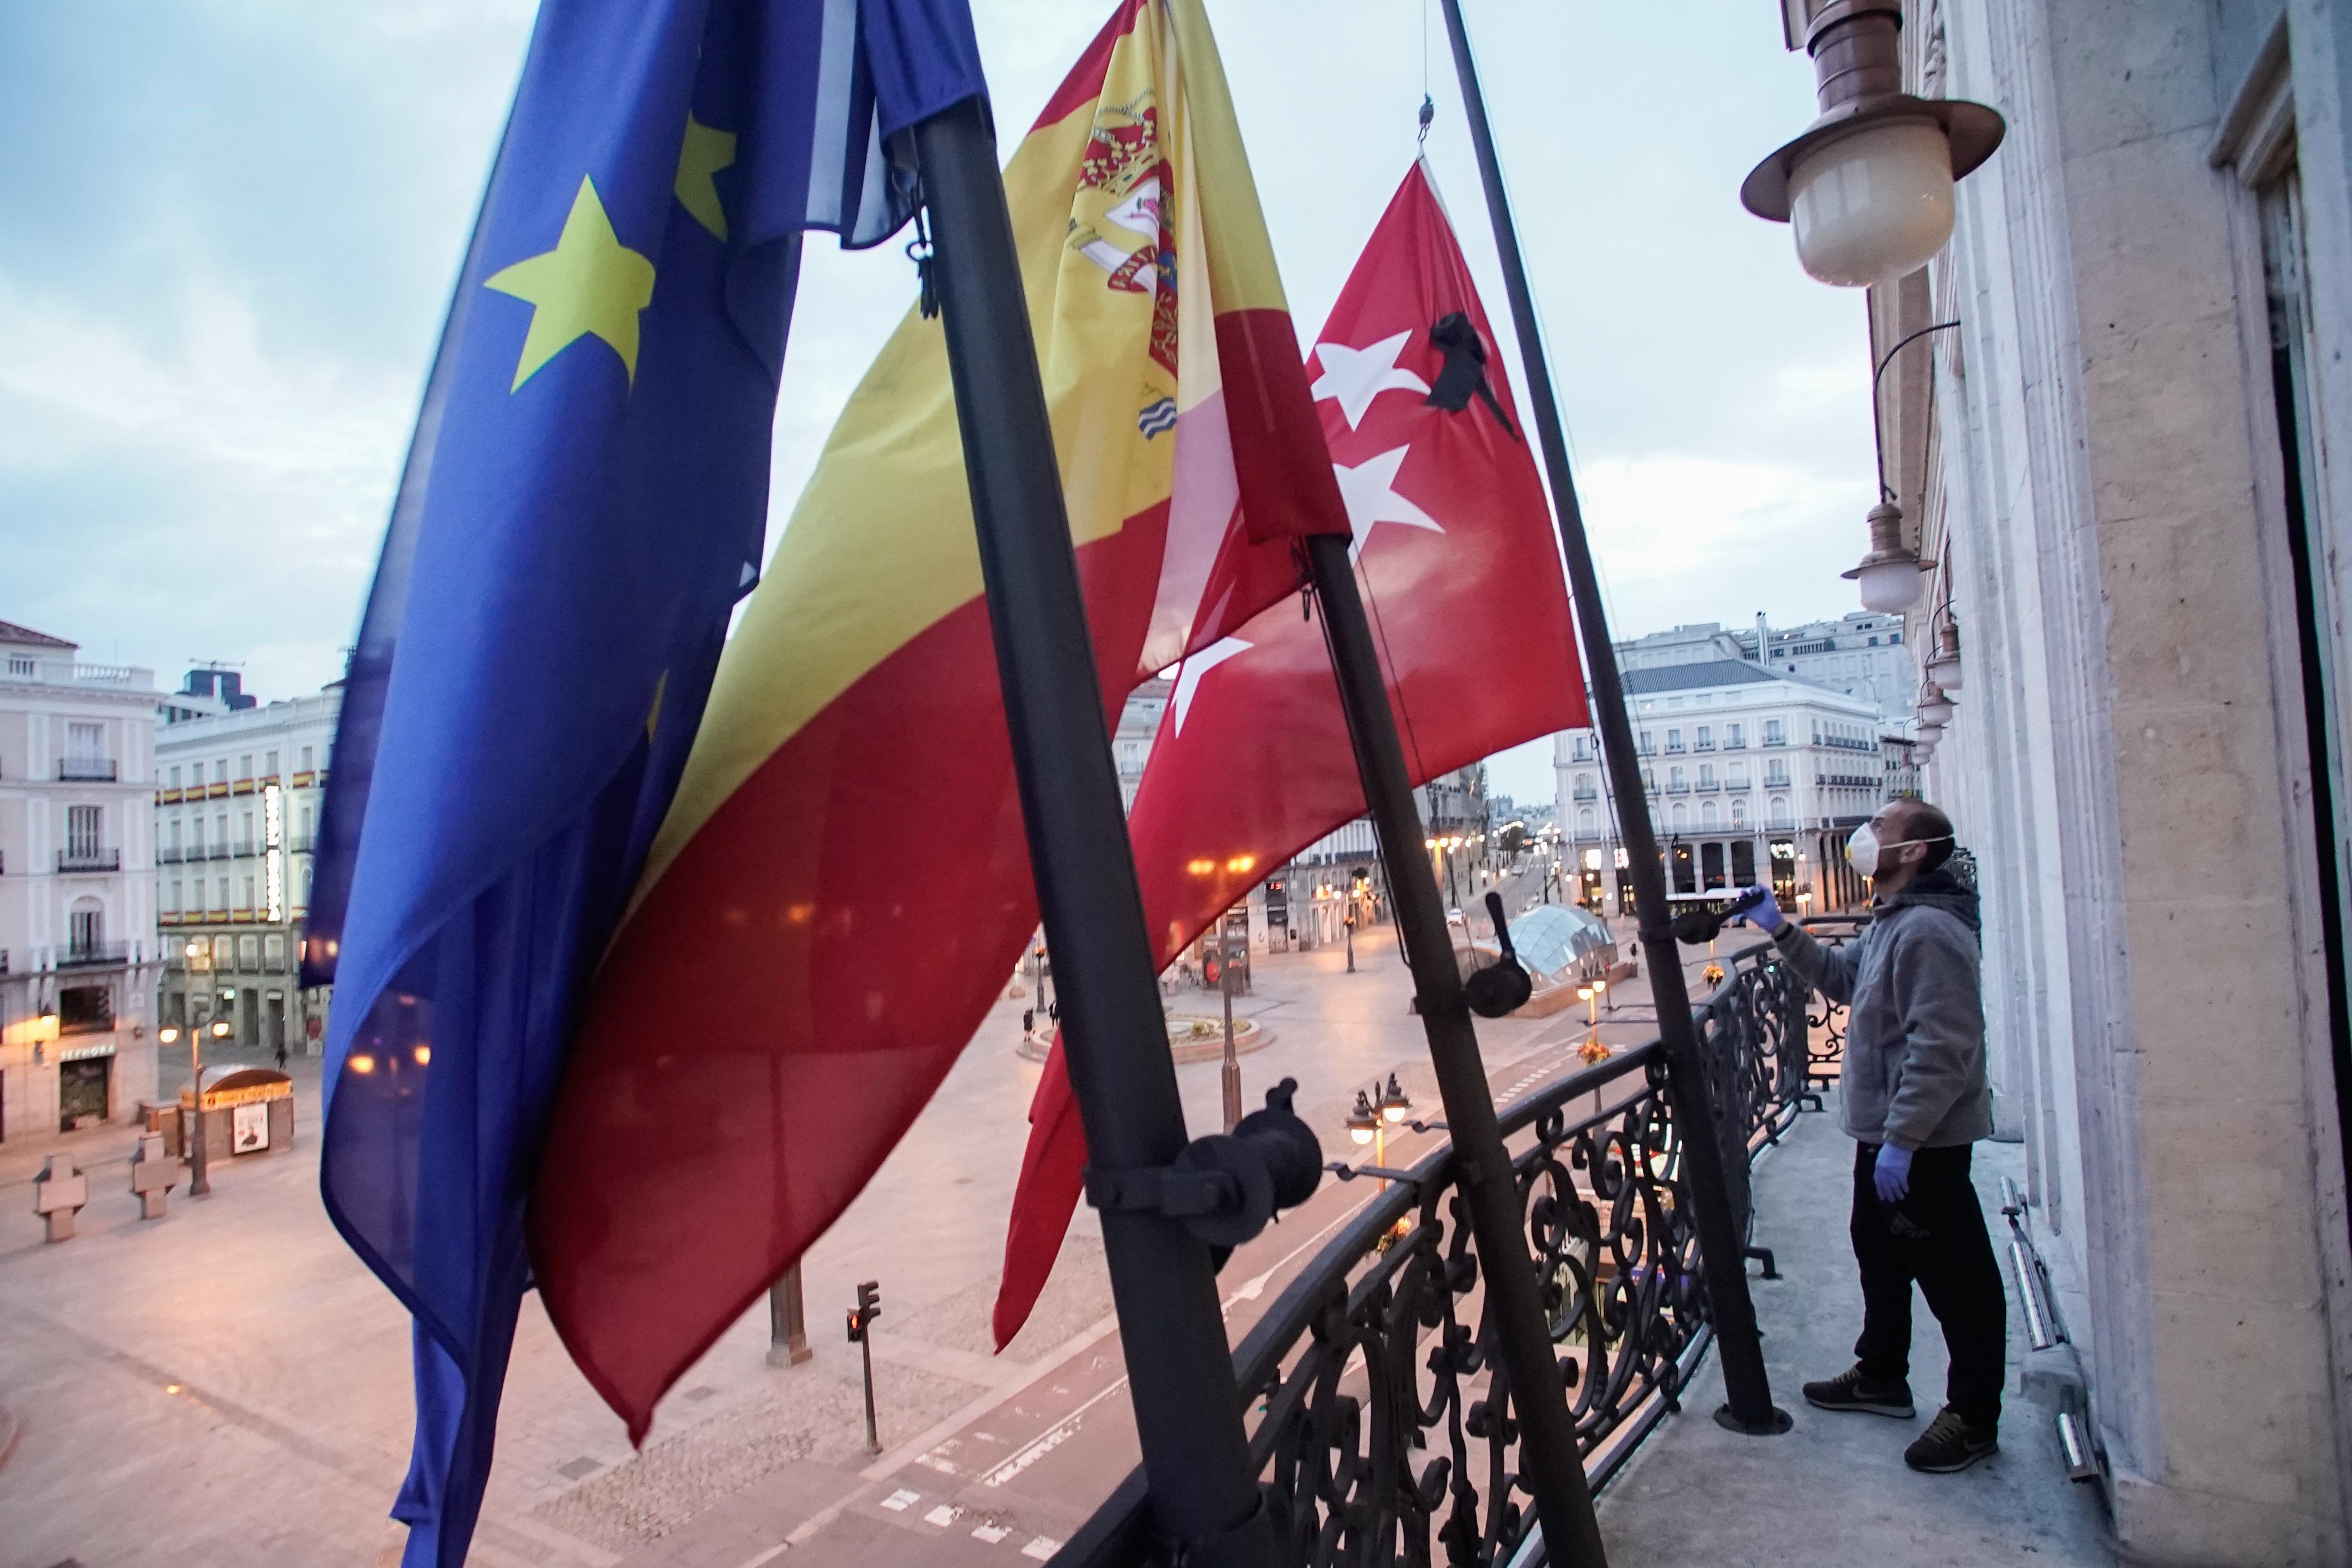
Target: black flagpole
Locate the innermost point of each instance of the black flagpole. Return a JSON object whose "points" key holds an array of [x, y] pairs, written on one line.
{"points": [[1205, 1503], [1722, 1245], [1549, 1465]]}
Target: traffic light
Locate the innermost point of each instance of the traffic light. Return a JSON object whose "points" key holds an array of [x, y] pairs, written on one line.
{"points": [[868, 1307]]}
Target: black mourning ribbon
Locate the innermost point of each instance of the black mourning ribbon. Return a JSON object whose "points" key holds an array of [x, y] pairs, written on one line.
{"points": [[1465, 369]]}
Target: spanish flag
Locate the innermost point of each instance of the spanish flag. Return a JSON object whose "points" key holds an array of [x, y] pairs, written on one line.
{"points": [[842, 885]]}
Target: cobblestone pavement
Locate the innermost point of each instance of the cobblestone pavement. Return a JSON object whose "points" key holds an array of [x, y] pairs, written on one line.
{"points": [[229, 1386]]}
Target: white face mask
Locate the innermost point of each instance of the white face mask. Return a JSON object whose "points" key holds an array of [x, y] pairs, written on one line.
{"points": [[1866, 855]]}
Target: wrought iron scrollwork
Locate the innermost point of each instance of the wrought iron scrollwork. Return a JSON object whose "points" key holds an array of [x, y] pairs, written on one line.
{"points": [[1382, 1424]]}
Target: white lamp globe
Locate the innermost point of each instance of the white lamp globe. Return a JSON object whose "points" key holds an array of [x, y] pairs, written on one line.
{"points": [[1936, 708], [1889, 587], [1873, 206]]}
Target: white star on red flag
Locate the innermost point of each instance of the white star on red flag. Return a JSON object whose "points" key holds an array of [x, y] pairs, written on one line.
{"points": [[1370, 492], [1188, 678], [1355, 376]]}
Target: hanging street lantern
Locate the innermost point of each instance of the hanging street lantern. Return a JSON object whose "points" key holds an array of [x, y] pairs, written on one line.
{"points": [[1943, 664], [1935, 708], [1868, 186], [1890, 575]]}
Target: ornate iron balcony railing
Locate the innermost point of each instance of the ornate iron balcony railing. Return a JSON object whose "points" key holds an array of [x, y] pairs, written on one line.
{"points": [[1381, 1426]]}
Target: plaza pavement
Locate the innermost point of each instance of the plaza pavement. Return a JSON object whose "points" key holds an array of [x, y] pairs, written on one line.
{"points": [[229, 1386]]}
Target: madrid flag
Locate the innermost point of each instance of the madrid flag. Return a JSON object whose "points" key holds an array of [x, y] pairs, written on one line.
{"points": [[842, 885], [1454, 556]]}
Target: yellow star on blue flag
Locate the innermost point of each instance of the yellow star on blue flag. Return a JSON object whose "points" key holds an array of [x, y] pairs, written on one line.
{"points": [[588, 285]]}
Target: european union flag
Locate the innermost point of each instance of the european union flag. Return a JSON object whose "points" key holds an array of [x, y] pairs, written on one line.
{"points": [[584, 500]]}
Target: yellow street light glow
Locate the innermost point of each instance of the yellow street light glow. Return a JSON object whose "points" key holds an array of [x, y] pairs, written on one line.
{"points": [[1241, 863], [423, 1054], [220, 1029], [1200, 867], [168, 1034], [361, 1063]]}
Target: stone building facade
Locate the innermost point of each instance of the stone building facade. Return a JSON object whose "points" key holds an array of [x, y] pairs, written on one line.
{"points": [[77, 949], [2124, 468], [1753, 776], [237, 808]]}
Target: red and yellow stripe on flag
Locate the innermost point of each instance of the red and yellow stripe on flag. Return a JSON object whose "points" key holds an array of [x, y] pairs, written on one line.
{"points": [[842, 885]]}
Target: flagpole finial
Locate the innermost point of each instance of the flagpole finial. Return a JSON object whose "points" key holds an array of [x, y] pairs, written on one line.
{"points": [[1428, 113]]}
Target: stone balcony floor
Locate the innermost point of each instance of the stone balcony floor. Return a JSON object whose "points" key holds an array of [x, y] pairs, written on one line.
{"points": [[1834, 1492]]}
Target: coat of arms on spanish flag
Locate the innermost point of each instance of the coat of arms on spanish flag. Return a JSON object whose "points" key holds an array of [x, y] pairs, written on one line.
{"points": [[841, 887]]}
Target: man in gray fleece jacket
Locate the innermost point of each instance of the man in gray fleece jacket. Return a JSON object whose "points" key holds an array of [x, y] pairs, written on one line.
{"points": [[1913, 1095]]}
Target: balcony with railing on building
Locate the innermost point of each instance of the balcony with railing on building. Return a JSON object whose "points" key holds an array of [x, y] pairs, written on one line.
{"points": [[89, 859], [88, 770], [93, 954]]}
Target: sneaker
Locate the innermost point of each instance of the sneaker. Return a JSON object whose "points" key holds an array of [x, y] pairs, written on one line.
{"points": [[1849, 1390], [1950, 1444]]}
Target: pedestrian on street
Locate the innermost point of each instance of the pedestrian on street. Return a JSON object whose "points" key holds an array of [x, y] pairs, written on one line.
{"points": [[1911, 1093]]}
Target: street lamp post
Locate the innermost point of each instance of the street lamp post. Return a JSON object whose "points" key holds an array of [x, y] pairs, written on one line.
{"points": [[1233, 1064], [1722, 1244]]}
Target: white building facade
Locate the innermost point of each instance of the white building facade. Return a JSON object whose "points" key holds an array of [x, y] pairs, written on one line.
{"points": [[78, 938], [1862, 655], [235, 819], [1753, 775]]}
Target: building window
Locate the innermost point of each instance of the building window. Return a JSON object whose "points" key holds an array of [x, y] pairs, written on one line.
{"points": [[88, 928], [82, 831], [245, 766], [1709, 817], [1706, 775], [1674, 782], [249, 895], [1582, 748], [176, 778], [244, 844], [269, 764], [1584, 787], [1739, 819], [306, 759], [1779, 811], [220, 832], [248, 954], [196, 835], [1776, 773], [172, 898], [273, 953], [220, 771], [1674, 740], [1772, 733], [220, 896], [1646, 746], [1737, 778], [1706, 737], [1735, 735], [1585, 824]]}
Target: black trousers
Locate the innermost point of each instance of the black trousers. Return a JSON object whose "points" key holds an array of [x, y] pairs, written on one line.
{"points": [[1936, 1236]]}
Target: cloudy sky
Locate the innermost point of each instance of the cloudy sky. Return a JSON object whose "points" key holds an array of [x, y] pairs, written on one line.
{"points": [[228, 229]]}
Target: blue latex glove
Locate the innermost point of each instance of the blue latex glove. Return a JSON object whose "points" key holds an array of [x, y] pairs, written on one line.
{"points": [[1764, 911], [1893, 1175]]}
